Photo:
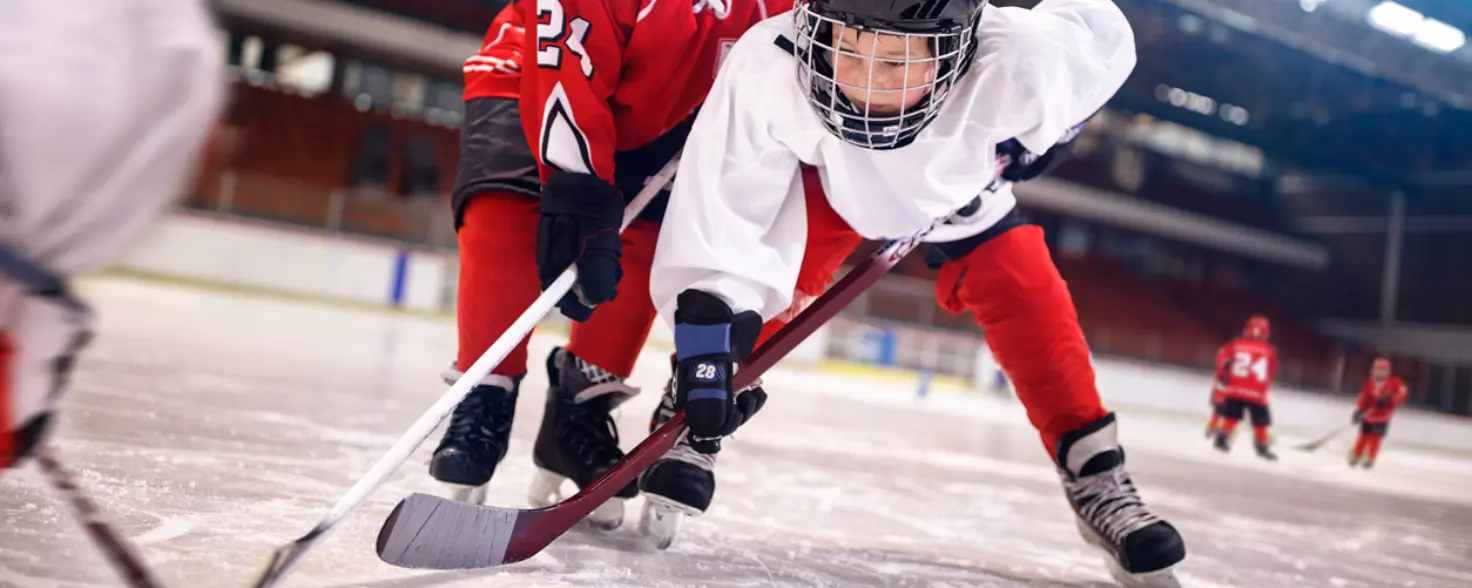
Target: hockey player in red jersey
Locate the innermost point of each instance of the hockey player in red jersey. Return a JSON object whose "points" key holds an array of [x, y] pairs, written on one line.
{"points": [[1380, 396], [885, 119], [1259, 327], [1248, 365], [604, 90]]}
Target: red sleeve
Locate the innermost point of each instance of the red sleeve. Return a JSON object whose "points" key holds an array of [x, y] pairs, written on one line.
{"points": [[495, 70], [1367, 393], [1224, 364], [1400, 395], [565, 101]]}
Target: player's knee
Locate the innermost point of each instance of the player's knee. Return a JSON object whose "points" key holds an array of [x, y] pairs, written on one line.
{"points": [[1012, 270]]}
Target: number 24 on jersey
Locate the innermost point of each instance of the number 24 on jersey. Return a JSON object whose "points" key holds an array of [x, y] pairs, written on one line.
{"points": [[1245, 364], [554, 30]]}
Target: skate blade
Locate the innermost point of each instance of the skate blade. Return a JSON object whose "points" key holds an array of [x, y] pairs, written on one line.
{"points": [[661, 519], [608, 516], [468, 494], [1163, 578], [546, 490]]}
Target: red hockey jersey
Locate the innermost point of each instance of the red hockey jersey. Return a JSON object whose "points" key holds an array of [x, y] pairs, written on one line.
{"points": [[495, 70], [1246, 368], [1379, 399], [614, 75]]}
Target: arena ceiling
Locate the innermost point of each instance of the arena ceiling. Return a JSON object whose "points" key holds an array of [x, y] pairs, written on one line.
{"points": [[1322, 88]]}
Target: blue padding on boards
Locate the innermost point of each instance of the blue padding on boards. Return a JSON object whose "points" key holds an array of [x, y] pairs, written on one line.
{"points": [[705, 394], [401, 277], [696, 340]]}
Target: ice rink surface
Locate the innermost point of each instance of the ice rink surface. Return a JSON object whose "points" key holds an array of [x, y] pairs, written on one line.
{"points": [[212, 427]]}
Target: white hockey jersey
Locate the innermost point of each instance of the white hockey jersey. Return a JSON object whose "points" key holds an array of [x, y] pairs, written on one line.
{"points": [[736, 222]]}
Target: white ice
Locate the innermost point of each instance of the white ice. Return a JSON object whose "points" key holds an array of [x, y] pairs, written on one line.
{"points": [[213, 426]]}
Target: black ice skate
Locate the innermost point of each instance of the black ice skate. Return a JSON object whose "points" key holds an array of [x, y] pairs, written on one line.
{"points": [[1266, 452], [578, 440], [476, 440], [680, 484], [1141, 547], [1222, 443]]}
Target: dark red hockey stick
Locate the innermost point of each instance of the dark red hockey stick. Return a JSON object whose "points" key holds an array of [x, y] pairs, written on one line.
{"points": [[426, 531], [128, 564]]}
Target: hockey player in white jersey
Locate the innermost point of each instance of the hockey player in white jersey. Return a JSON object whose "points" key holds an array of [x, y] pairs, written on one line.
{"points": [[104, 109], [914, 114]]}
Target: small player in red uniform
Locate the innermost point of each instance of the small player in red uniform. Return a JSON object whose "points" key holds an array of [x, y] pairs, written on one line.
{"points": [[1246, 369], [570, 107], [1380, 396]]}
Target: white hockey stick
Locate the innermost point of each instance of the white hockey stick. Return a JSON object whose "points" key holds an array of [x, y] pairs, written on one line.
{"points": [[285, 558]]}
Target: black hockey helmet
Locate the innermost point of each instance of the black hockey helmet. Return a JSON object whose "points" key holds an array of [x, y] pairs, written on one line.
{"points": [[947, 28]]}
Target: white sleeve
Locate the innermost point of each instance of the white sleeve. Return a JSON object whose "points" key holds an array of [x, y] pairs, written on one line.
{"points": [[736, 224], [1064, 59]]}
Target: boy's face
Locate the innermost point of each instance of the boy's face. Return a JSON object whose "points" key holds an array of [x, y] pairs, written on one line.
{"points": [[882, 74]]}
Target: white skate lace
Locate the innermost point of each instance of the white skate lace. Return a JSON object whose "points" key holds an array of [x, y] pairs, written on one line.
{"points": [[603, 383], [1110, 503], [682, 450]]}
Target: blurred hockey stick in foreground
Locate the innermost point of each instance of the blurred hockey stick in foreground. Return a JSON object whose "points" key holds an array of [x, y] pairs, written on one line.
{"points": [[426, 531], [123, 558], [1314, 445], [285, 558]]}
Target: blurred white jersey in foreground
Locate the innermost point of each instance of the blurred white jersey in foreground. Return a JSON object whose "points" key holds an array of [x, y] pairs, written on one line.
{"points": [[104, 109]]}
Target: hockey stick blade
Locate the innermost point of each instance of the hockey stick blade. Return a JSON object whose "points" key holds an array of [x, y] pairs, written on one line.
{"points": [[283, 559], [1320, 442], [427, 531]]}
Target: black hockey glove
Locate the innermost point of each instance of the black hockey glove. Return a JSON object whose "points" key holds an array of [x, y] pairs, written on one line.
{"points": [[1358, 416], [579, 224], [1023, 165], [709, 343]]}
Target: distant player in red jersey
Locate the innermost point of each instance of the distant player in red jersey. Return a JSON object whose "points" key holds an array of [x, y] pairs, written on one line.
{"points": [[1246, 369], [570, 106], [1380, 396]]}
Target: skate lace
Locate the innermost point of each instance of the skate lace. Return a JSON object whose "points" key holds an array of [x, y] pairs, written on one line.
{"points": [[1111, 504], [601, 383], [684, 452], [590, 434], [483, 418]]}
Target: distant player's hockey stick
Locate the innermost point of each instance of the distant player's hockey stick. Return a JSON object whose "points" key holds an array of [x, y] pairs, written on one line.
{"points": [[123, 558], [1314, 445], [284, 558], [426, 531]]}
